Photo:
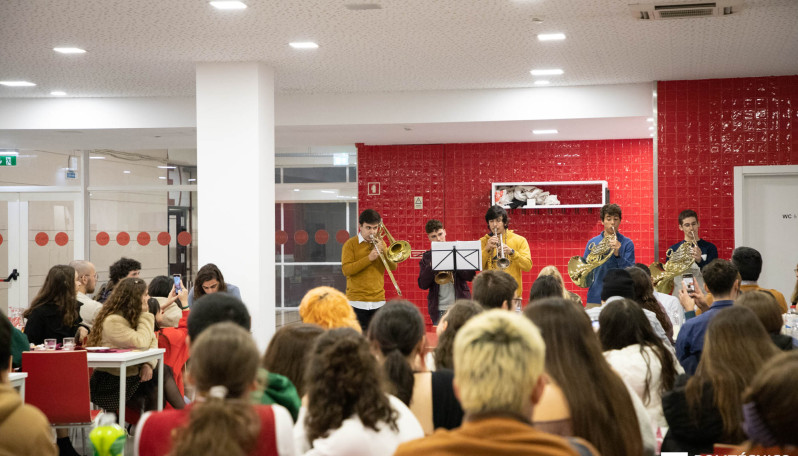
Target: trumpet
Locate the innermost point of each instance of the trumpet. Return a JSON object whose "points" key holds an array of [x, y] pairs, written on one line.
{"points": [[500, 260], [375, 241], [581, 269]]}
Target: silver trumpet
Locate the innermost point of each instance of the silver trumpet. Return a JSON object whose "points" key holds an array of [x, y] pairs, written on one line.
{"points": [[501, 261]]}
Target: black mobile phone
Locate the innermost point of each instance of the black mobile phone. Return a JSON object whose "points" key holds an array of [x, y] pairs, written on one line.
{"points": [[176, 278], [688, 279]]}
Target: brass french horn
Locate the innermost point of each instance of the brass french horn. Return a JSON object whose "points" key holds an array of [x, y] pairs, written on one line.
{"points": [[678, 263], [581, 269]]}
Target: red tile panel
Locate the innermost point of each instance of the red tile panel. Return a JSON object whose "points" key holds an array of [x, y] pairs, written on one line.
{"points": [[455, 181], [705, 129]]}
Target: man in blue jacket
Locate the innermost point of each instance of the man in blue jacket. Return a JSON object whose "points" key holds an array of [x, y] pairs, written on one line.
{"points": [[623, 250]]}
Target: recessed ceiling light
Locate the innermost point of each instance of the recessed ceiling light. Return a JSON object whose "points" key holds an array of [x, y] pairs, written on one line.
{"points": [[167, 167], [96, 157], [545, 132], [58, 93], [551, 36], [542, 82], [9, 152], [548, 72], [161, 177], [192, 180], [17, 83], [303, 45], [296, 189], [228, 5], [651, 134], [650, 119], [651, 128], [126, 172], [69, 50]]}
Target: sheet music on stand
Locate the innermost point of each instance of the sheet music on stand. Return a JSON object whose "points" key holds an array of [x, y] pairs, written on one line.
{"points": [[457, 256]]}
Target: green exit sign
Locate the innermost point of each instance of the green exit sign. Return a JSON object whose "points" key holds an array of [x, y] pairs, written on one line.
{"points": [[8, 160]]}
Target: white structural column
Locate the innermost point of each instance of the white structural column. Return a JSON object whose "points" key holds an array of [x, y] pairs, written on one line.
{"points": [[235, 179]]}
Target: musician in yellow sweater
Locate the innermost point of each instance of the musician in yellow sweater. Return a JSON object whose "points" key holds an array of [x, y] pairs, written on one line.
{"points": [[516, 248], [363, 269]]}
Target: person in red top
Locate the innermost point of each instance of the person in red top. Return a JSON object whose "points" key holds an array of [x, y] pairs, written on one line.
{"points": [[222, 419]]}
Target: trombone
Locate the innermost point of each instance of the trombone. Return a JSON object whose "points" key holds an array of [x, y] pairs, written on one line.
{"points": [[500, 260], [396, 251]]}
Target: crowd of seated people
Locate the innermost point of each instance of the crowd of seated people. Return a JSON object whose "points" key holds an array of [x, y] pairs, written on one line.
{"points": [[632, 376]]}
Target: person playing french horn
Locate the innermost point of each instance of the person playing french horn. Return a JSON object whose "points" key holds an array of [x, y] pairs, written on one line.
{"points": [[444, 287], [623, 251], [503, 249], [702, 251]]}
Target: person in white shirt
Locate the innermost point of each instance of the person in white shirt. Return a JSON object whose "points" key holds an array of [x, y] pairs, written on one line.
{"points": [[346, 412], [86, 283]]}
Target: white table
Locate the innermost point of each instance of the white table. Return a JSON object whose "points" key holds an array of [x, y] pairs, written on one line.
{"points": [[18, 381], [121, 361]]}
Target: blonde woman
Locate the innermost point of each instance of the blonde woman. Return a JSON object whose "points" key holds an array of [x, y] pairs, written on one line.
{"points": [[554, 272]]}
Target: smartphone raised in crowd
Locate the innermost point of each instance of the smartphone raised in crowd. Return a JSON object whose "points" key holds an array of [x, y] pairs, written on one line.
{"points": [[176, 278], [690, 282]]}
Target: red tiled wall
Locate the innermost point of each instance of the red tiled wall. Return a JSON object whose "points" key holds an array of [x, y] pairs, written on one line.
{"points": [[455, 181], [708, 127]]}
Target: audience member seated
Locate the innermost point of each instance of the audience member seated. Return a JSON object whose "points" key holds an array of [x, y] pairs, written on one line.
{"points": [[770, 408], [618, 284], [584, 397], [346, 411], [19, 344], [545, 287], [499, 361], [458, 314], [221, 307], [794, 298], [638, 356], [23, 428], [172, 389], [210, 280], [720, 278], [285, 361], [125, 322], [670, 303], [495, 289], [396, 334], [707, 408], [222, 421], [644, 296], [53, 313], [87, 282], [554, 272], [328, 308], [749, 262], [122, 269], [162, 288], [768, 312]]}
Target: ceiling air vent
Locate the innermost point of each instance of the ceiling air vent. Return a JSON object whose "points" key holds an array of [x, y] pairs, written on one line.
{"points": [[656, 11]]}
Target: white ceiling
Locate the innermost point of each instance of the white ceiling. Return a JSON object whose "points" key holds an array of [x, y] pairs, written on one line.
{"points": [[147, 48]]}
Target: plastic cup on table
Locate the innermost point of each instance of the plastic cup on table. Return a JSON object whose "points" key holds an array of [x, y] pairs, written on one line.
{"points": [[69, 343], [50, 344]]}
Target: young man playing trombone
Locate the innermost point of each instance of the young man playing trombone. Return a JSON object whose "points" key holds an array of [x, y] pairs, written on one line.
{"points": [[503, 249], [703, 251], [444, 288], [623, 250], [364, 269]]}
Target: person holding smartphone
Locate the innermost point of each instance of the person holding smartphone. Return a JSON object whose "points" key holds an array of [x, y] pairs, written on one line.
{"points": [[703, 251], [171, 295]]}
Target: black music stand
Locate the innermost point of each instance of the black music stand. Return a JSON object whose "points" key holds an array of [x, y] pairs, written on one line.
{"points": [[457, 256]]}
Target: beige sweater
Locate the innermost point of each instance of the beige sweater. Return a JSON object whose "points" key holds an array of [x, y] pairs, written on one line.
{"points": [[117, 333]]}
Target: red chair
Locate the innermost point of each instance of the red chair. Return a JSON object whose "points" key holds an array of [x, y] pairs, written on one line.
{"points": [[58, 385]]}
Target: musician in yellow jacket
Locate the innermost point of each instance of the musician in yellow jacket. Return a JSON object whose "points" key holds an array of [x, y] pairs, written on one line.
{"points": [[363, 269], [516, 248]]}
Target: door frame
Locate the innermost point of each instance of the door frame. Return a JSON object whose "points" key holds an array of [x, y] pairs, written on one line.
{"points": [[18, 198], [740, 173]]}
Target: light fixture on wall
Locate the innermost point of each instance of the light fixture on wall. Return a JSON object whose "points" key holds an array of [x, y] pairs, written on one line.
{"points": [[69, 50], [303, 45], [551, 36], [17, 84]]}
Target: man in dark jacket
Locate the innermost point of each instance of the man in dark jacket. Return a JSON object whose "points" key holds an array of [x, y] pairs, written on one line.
{"points": [[441, 296]]}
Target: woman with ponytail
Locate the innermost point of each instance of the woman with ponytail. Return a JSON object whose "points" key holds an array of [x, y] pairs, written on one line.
{"points": [[397, 334], [347, 411], [224, 365]]}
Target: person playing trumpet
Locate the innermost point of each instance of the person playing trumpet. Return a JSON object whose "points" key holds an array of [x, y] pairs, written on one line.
{"points": [[441, 295], [703, 251], [514, 247], [623, 251], [363, 268]]}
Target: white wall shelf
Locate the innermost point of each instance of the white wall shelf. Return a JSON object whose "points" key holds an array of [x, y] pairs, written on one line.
{"points": [[551, 187]]}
